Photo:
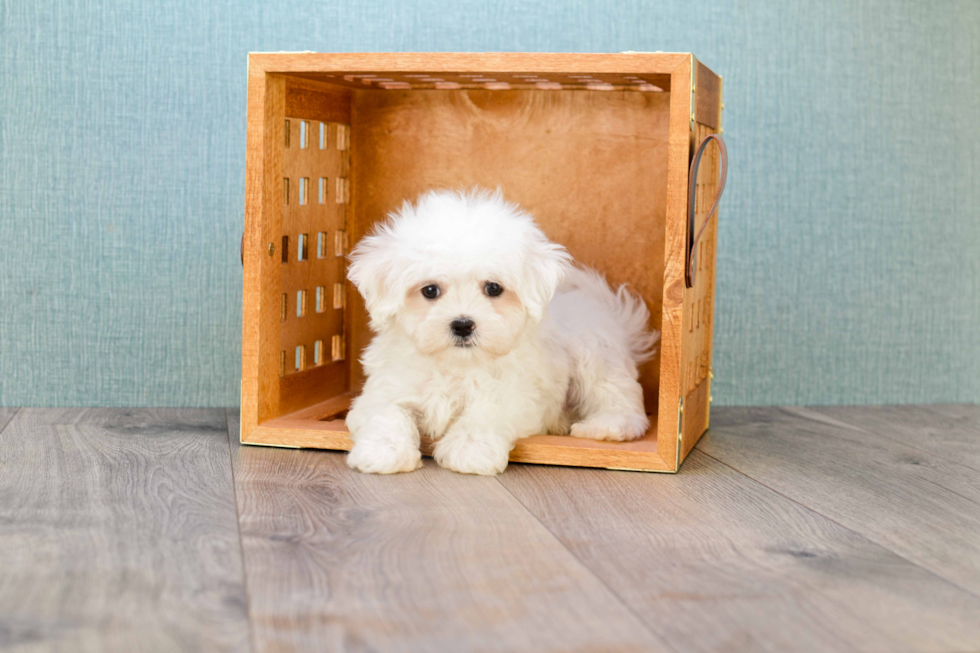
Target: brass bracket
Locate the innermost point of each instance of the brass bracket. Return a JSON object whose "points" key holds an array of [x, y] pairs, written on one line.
{"points": [[707, 419], [680, 434]]}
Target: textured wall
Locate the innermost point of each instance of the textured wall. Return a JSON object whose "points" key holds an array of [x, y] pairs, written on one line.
{"points": [[849, 256]]}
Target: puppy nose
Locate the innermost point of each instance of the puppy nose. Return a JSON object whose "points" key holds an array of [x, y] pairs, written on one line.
{"points": [[462, 326]]}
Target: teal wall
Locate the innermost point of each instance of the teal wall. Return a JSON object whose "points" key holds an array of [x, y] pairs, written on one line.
{"points": [[849, 255]]}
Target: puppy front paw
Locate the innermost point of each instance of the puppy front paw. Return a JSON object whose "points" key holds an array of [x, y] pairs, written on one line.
{"points": [[472, 454], [611, 427], [383, 456]]}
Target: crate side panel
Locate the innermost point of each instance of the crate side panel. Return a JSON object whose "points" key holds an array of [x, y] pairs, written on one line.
{"points": [[707, 97], [696, 412], [672, 319], [699, 301], [261, 274], [313, 243], [359, 224]]}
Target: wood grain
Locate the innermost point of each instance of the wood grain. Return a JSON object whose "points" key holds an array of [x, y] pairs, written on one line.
{"points": [[950, 431], [603, 196], [262, 269], [315, 65], [118, 532], [675, 254], [315, 101], [427, 561], [714, 561], [707, 102], [919, 505]]}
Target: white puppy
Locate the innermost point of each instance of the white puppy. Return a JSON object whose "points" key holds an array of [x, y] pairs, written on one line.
{"points": [[485, 333]]}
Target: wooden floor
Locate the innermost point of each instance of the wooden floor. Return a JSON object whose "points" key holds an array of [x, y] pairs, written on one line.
{"points": [[825, 529]]}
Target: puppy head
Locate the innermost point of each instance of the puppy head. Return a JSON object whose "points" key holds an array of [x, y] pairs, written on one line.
{"points": [[459, 271]]}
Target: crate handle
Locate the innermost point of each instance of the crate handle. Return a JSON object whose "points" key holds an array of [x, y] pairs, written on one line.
{"points": [[692, 187]]}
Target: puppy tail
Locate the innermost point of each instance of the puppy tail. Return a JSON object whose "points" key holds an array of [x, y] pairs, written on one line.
{"points": [[627, 308], [642, 339]]}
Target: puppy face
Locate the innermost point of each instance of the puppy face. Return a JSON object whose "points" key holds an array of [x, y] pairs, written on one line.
{"points": [[464, 273], [467, 312]]}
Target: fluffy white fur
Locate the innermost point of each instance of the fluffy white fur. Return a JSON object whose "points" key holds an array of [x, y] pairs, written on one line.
{"points": [[555, 352]]}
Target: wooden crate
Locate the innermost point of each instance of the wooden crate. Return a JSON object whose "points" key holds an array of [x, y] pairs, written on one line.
{"points": [[596, 146]]}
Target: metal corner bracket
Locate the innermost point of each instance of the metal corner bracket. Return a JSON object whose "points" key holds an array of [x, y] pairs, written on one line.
{"points": [[680, 434]]}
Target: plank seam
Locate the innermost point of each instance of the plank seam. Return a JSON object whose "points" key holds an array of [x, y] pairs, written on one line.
{"points": [[238, 526], [929, 409], [807, 414], [3, 427], [848, 529], [592, 572]]}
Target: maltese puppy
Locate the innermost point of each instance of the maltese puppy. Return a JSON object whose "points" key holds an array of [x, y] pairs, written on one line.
{"points": [[485, 333]]}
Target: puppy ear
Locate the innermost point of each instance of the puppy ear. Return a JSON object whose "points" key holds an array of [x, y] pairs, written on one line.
{"points": [[547, 264], [371, 271]]}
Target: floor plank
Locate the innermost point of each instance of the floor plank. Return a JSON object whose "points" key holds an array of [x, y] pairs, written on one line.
{"points": [[118, 532], [427, 561], [714, 561], [951, 431], [923, 507]]}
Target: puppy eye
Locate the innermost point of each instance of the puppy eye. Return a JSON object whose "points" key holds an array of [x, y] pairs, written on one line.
{"points": [[492, 289], [430, 291]]}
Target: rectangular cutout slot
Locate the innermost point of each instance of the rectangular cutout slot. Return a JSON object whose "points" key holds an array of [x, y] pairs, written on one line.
{"points": [[287, 133], [300, 303], [322, 190], [341, 190], [338, 295], [323, 135], [318, 352], [339, 242], [284, 308], [285, 191], [343, 137], [285, 249], [302, 248], [304, 134], [304, 183], [282, 363], [319, 299], [337, 348], [300, 362], [321, 244]]}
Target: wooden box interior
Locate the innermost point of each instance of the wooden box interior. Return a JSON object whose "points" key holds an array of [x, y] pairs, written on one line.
{"points": [[588, 155]]}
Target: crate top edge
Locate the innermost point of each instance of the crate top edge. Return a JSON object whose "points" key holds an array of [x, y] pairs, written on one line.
{"points": [[308, 62]]}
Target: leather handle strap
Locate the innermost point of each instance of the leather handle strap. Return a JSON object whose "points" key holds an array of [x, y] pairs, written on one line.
{"points": [[692, 188]]}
